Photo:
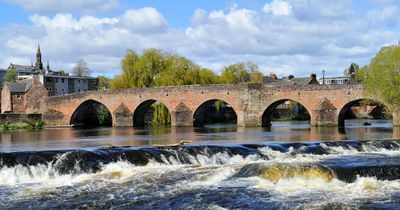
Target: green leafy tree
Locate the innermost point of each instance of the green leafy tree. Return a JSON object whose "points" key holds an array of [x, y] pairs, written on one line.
{"points": [[104, 82], [161, 114], [381, 78], [105, 118], [242, 72], [351, 70], [10, 76]]}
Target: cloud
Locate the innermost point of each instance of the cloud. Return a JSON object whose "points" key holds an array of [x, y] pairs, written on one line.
{"points": [[147, 20], [101, 41], [66, 5], [288, 37], [278, 7]]}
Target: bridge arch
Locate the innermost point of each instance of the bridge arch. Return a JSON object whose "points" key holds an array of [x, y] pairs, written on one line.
{"points": [[214, 110], [343, 111], [143, 113], [267, 115], [91, 113]]}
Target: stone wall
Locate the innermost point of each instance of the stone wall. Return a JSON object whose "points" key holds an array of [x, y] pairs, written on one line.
{"points": [[249, 101], [5, 100], [12, 118], [18, 103], [33, 97]]}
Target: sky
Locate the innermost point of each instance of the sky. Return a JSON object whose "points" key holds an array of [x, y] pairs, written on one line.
{"points": [[297, 37]]}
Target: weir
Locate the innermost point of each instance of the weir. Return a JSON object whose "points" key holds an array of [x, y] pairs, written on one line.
{"points": [[251, 103]]}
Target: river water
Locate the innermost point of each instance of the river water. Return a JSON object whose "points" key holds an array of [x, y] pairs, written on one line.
{"points": [[290, 166]]}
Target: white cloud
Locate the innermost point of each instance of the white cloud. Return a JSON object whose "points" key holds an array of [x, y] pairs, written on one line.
{"points": [[311, 37], [278, 7], [66, 5], [147, 20]]}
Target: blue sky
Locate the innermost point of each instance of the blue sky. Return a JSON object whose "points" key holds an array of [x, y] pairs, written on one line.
{"points": [[282, 36]]}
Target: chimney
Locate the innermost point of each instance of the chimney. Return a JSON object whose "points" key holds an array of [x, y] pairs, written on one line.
{"points": [[273, 76], [313, 76]]}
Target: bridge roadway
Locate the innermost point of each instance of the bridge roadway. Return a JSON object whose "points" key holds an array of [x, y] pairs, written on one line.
{"points": [[252, 103]]}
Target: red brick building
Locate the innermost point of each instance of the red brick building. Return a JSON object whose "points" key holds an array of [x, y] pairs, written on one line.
{"points": [[23, 97]]}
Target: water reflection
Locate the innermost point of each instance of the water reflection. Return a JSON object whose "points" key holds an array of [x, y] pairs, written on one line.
{"points": [[69, 138]]}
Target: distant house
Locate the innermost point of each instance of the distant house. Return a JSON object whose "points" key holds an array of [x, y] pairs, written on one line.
{"points": [[56, 82], [291, 80], [22, 97], [337, 80], [2, 74]]}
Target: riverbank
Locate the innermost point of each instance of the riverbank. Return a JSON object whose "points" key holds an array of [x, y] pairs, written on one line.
{"points": [[23, 124]]}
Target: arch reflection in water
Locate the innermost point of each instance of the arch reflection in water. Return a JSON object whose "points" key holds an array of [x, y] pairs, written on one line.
{"points": [[214, 112], [91, 113]]}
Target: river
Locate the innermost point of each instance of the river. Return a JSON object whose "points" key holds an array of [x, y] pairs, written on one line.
{"points": [[289, 166]]}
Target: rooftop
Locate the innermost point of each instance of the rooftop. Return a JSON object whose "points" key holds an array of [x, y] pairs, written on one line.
{"points": [[20, 87]]}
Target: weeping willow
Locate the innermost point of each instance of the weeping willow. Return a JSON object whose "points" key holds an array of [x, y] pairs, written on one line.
{"points": [[161, 114], [218, 105]]}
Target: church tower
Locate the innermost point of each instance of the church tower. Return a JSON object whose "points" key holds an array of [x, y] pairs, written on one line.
{"points": [[39, 64]]}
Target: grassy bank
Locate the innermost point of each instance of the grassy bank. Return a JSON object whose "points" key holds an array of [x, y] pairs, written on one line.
{"points": [[23, 124]]}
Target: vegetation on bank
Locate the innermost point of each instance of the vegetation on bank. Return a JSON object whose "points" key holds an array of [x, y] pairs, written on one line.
{"points": [[104, 115], [381, 77], [22, 124]]}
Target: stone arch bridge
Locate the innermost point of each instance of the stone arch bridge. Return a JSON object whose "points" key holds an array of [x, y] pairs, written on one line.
{"points": [[252, 103]]}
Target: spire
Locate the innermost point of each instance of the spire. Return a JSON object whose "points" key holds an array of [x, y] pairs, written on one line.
{"points": [[38, 49], [48, 66], [39, 64]]}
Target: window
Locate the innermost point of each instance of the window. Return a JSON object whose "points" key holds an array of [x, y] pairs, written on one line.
{"points": [[48, 79], [56, 90], [18, 96], [62, 80], [56, 79], [79, 90], [49, 88], [62, 90], [79, 81]]}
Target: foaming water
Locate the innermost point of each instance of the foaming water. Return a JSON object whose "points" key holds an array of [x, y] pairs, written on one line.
{"points": [[340, 174]]}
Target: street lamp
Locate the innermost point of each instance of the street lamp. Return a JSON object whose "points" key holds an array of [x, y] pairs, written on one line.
{"points": [[323, 76]]}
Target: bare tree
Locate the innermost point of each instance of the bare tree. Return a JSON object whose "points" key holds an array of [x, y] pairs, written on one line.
{"points": [[81, 69]]}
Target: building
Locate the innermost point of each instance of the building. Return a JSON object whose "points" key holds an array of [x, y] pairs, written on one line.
{"points": [[334, 80], [291, 80], [2, 74], [56, 82], [22, 97]]}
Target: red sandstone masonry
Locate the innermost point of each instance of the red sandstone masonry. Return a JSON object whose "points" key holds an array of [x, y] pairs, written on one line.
{"points": [[248, 100]]}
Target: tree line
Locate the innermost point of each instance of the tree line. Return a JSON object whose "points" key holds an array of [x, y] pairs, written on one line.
{"points": [[157, 68]]}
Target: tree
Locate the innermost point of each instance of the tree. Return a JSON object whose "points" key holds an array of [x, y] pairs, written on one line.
{"points": [[81, 69], [104, 82], [382, 76], [104, 115], [352, 70], [157, 68], [161, 114], [10, 76], [242, 72]]}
